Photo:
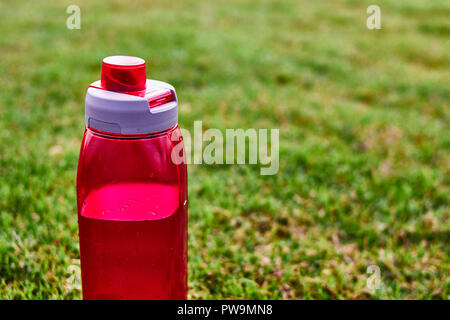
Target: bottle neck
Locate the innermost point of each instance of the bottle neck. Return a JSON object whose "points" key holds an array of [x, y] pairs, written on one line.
{"points": [[120, 136]]}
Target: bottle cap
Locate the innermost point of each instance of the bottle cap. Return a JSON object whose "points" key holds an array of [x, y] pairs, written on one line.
{"points": [[124, 101]]}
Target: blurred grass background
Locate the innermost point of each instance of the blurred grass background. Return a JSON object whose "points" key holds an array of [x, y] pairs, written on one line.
{"points": [[364, 141]]}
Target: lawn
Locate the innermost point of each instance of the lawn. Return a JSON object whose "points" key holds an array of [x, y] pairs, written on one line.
{"points": [[364, 141]]}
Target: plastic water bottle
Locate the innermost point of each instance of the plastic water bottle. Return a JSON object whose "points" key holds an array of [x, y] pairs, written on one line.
{"points": [[131, 195]]}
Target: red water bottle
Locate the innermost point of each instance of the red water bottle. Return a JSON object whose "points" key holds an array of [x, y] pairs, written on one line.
{"points": [[132, 188]]}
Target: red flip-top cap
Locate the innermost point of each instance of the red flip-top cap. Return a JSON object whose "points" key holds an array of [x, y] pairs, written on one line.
{"points": [[123, 74]]}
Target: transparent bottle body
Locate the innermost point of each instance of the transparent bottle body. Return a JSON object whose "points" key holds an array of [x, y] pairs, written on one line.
{"points": [[132, 215]]}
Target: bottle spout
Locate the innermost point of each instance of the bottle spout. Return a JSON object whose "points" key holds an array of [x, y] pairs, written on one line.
{"points": [[123, 74]]}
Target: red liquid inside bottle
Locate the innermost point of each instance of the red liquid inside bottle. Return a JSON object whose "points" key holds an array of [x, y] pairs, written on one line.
{"points": [[132, 214]]}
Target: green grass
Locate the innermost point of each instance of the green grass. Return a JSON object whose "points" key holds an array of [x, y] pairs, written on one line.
{"points": [[364, 141]]}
